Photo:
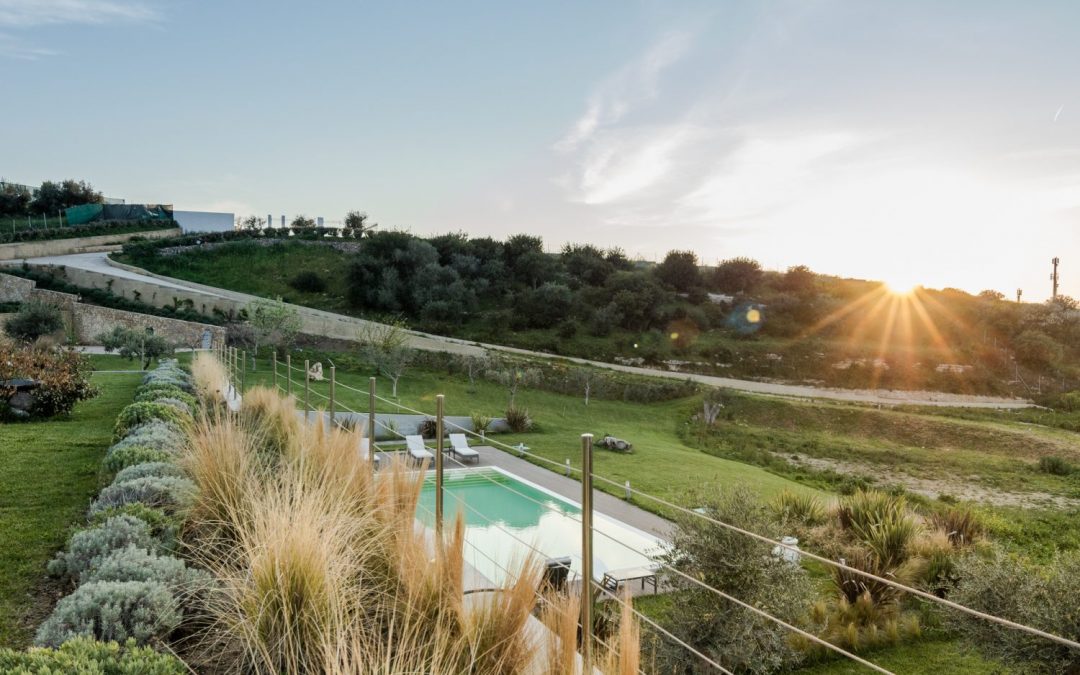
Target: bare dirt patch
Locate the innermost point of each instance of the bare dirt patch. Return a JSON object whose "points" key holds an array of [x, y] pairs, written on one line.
{"points": [[964, 489]]}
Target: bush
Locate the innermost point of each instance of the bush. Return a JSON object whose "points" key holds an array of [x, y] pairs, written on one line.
{"points": [[518, 420], [91, 230], [64, 375], [87, 547], [120, 457], [1055, 466], [168, 493], [164, 527], [153, 392], [139, 413], [181, 407], [743, 567], [155, 434], [170, 373], [137, 564], [89, 657], [1001, 585], [112, 610], [308, 282], [157, 469], [34, 320]]}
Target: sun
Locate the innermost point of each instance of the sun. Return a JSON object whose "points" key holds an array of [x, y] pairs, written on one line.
{"points": [[901, 285]]}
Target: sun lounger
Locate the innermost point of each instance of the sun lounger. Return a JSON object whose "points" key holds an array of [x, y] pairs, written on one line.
{"points": [[416, 449], [459, 446]]}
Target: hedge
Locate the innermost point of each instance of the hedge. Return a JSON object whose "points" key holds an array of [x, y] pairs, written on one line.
{"points": [[91, 230]]}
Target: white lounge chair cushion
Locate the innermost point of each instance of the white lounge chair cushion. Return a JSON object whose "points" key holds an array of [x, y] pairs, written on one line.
{"points": [[415, 446], [461, 446]]}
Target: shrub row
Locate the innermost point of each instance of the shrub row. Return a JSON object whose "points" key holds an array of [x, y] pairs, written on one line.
{"points": [[89, 230], [128, 585], [565, 378]]}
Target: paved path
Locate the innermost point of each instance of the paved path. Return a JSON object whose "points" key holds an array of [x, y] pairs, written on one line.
{"points": [[99, 262]]}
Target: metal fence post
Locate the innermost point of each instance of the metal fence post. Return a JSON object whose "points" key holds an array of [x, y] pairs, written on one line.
{"points": [[307, 387], [275, 370], [288, 374], [440, 401], [243, 368], [371, 421], [333, 381], [586, 552]]}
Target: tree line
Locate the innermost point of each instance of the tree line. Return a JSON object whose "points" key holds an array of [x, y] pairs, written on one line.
{"points": [[47, 198]]}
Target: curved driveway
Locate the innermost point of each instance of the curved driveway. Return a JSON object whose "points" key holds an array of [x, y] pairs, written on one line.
{"points": [[99, 262]]}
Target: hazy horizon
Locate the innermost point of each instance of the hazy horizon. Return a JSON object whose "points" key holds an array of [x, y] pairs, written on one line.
{"points": [[913, 143]]}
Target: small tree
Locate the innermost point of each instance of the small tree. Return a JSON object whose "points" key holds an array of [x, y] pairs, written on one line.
{"points": [[33, 320], [386, 346], [273, 323], [514, 378], [680, 270], [249, 224], [736, 275], [302, 221], [132, 342], [356, 224]]}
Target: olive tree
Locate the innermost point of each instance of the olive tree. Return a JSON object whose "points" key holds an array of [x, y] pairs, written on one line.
{"points": [[273, 323], [132, 342], [386, 346]]}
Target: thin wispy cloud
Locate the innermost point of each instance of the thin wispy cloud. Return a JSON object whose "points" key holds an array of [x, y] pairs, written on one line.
{"points": [[31, 13], [632, 84], [19, 18]]}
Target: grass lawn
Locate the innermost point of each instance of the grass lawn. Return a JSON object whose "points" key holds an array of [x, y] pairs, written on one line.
{"points": [[661, 464], [51, 471]]}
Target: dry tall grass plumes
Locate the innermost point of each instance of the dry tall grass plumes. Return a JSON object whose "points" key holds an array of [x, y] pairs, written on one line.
{"points": [[322, 566], [209, 377]]}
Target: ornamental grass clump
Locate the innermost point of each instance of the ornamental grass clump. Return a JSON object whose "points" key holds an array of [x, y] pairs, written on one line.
{"points": [[87, 547], [320, 567], [209, 379], [168, 493], [143, 611]]}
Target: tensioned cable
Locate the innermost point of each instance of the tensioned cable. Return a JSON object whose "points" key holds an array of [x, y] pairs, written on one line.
{"points": [[484, 438], [866, 575], [666, 632], [511, 574], [760, 612]]}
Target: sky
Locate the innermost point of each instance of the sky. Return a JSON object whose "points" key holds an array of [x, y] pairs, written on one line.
{"points": [[912, 142]]}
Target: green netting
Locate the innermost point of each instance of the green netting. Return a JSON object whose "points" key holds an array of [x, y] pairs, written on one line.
{"points": [[85, 213], [88, 213]]}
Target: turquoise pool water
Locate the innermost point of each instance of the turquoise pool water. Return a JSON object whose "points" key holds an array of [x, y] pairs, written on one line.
{"points": [[537, 518]]}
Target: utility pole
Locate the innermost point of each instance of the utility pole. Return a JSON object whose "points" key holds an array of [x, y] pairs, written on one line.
{"points": [[1054, 277]]}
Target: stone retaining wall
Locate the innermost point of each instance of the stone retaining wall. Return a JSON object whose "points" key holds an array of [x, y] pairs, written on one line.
{"points": [[91, 321], [15, 289]]}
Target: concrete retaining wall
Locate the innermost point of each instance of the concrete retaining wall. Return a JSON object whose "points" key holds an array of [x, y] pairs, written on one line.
{"points": [[40, 249]]}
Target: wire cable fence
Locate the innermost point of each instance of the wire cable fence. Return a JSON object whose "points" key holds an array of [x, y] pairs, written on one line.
{"points": [[521, 451]]}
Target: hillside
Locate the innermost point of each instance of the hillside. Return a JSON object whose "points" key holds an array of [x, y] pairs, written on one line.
{"points": [[734, 320]]}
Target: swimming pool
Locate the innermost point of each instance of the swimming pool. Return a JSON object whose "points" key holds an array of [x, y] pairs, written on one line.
{"points": [[506, 509]]}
